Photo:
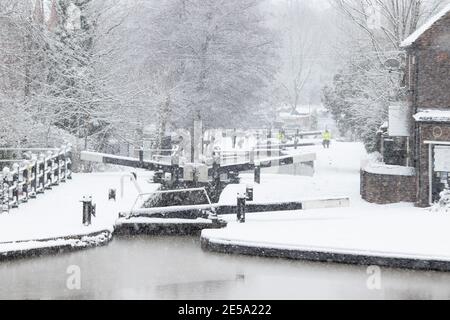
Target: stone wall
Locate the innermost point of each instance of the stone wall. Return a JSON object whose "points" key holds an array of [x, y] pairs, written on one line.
{"points": [[385, 189]]}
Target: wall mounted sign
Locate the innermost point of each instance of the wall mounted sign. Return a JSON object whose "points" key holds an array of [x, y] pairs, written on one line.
{"points": [[399, 121], [442, 158]]}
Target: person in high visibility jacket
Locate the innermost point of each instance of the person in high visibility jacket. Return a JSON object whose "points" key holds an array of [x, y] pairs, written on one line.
{"points": [[326, 139], [281, 136]]}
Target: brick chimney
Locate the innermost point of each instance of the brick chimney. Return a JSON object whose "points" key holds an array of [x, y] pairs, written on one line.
{"points": [[38, 14], [53, 18]]}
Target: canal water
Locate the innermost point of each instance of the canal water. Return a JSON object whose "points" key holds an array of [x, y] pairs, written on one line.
{"points": [[176, 268]]}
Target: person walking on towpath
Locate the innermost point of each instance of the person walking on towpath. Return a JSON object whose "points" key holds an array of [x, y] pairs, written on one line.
{"points": [[326, 139]]}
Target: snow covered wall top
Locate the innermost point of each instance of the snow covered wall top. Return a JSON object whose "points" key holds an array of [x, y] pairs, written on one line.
{"points": [[384, 169], [433, 115], [419, 32]]}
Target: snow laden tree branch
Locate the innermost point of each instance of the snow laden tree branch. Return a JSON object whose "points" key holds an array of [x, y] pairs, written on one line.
{"points": [[48, 72], [99, 70], [213, 58], [371, 77]]}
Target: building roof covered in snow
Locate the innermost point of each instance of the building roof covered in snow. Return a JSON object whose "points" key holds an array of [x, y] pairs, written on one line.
{"points": [[420, 31], [432, 116]]}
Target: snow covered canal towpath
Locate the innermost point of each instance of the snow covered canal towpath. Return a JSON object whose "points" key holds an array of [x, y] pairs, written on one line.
{"points": [[393, 235], [53, 220]]}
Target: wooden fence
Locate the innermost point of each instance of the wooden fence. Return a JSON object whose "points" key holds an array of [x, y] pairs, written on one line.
{"points": [[24, 179]]}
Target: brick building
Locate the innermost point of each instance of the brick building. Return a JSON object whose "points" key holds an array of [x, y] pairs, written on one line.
{"points": [[427, 117], [428, 77]]}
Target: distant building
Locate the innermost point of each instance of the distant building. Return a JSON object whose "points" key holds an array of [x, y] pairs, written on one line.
{"points": [[300, 118], [293, 120]]}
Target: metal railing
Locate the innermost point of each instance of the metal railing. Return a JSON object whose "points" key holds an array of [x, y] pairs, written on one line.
{"points": [[24, 179]]}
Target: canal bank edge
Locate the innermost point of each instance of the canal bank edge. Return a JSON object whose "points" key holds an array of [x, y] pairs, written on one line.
{"points": [[229, 247], [31, 248], [165, 227]]}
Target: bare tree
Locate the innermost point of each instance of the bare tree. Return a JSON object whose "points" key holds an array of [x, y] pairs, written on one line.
{"points": [[387, 23], [371, 76], [297, 50]]}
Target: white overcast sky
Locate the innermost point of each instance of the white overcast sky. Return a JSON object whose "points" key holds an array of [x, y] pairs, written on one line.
{"points": [[318, 3]]}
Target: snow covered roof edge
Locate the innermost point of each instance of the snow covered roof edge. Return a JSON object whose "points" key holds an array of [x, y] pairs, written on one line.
{"points": [[420, 31]]}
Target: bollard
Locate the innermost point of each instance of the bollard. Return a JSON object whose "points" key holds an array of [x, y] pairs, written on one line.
{"points": [[249, 193], [112, 194], [257, 174], [88, 210], [141, 155], [241, 208]]}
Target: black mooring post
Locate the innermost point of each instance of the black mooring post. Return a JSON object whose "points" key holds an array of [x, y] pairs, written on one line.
{"points": [[141, 155], [112, 194], [88, 210], [241, 199], [249, 193], [269, 143], [258, 174], [216, 179]]}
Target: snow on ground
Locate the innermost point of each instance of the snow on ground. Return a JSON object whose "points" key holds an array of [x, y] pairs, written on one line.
{"points": [[399, 230], [336, 175], [58, 212], [389, 231]]}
